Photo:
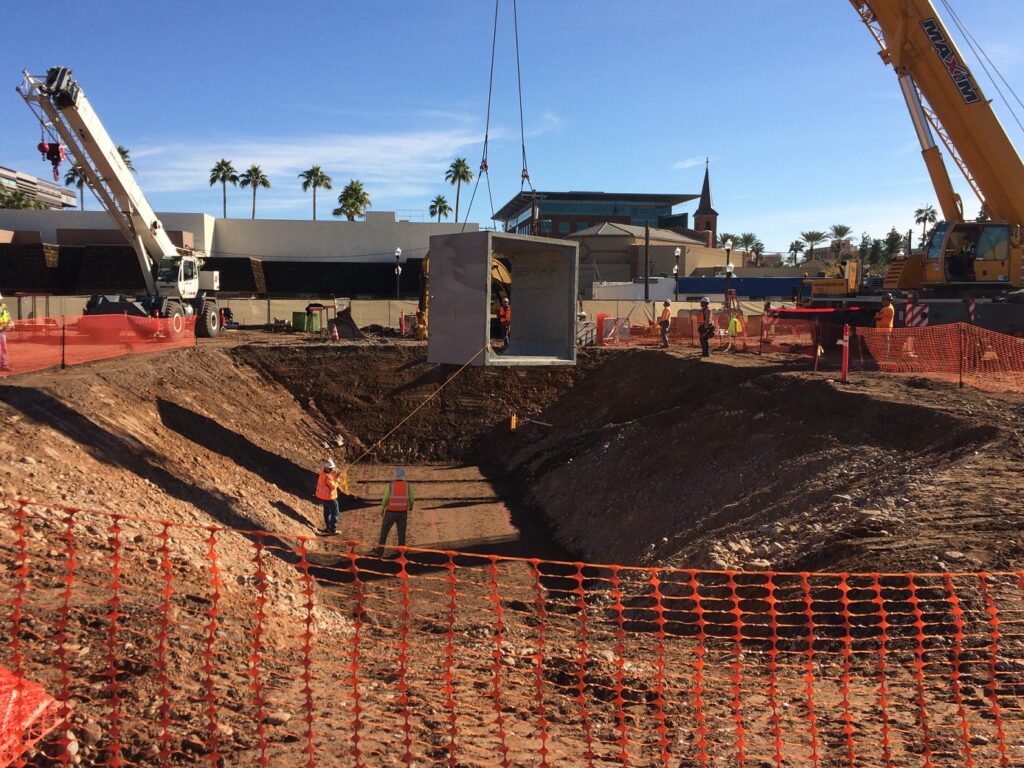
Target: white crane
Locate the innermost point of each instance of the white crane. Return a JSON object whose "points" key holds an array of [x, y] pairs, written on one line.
{"points": [[175, 286]]}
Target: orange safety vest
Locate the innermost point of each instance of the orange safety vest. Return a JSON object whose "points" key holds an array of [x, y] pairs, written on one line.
{"points": [[326, 487], [398, 499], [505, 315], [884, 317]]}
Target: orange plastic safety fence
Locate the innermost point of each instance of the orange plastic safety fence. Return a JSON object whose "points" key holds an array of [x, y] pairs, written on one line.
{"points": [[187, 644], [954, 352], [27, 714], [49, 342], [683, 331]]}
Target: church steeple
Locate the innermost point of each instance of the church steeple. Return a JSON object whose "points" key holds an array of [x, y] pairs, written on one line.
{"points": [[706, 217]]}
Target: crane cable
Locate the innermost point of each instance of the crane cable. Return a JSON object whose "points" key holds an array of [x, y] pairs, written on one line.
{"points": [[487, 125], [983, 57], [525, 175]]}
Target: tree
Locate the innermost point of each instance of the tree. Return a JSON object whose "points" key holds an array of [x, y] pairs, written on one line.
{"points": [[439, 207], [255, 178], [724, 237], [224, 173], [812, 238], [795, 249], [457, 173], [746, 241], [838, 233], [126, 157], [925, 216], [864, 249], [892, 243], [18, 199], [877, 255], [353, 201], [75, 177], [315, 178]]}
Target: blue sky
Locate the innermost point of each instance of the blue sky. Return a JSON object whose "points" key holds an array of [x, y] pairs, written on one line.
{"points": [[803, 125]]}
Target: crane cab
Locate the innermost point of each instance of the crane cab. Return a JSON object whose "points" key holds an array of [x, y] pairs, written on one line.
{"points": [[179, 277], [968, 252]]}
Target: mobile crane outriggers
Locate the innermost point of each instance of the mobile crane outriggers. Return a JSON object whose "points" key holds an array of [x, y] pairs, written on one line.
{"points": [[980, 257], [175, 286]]}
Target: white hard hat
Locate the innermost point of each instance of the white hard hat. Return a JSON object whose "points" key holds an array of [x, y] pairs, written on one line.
{"points": [[668, 303], [1, 297], [329, 464], [705, 300]]}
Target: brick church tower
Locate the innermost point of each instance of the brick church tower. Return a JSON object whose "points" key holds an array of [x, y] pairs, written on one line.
{"points": [[705, 219]]}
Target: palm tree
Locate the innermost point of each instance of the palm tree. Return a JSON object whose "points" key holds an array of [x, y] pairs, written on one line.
{"points": [[746, 241], [812, 238], [126, 157], [439, 207], [795, 249], [724, 237], [353, 201], [457, 173], [224, 173], [255, 178], [838, 232], [925, 216], [315, 178], [76, 178], [18, 199]]}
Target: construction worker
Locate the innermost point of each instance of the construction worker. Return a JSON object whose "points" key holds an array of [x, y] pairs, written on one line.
{"points": [[327, 484], [6, 324], [665, 321], [884, 320], [705, 328], [399, 499], [505, 318]]}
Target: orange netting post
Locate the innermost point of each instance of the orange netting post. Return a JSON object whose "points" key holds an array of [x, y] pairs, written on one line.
{"points": [[993, 661], [958, 698], [405, 619], [309, 716], [883, 673], [698, 673], [541, 708], [499, 639], [358, 620], [922, 708], [583, 648], [812, 717], [17, 614], [210, 642], [773, 669], [659, 670], [449, 660], [736, 704], [847, 652], [256, 651], [113, 616], [62, 634], [620, 662], [163, 632]]}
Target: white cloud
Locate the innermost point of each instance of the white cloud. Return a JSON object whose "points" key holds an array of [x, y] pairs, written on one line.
{"points": [[692, 162], [389, 165]]}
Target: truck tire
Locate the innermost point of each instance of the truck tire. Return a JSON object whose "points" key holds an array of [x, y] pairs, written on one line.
{"points": [[208, 322], [175, 320]]}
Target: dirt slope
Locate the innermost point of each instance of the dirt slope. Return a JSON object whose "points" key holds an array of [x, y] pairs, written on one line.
{"points": [[741, 463]]}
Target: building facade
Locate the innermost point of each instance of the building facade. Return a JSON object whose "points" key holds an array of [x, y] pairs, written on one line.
{"points": [[560, 214], [45, 193]]}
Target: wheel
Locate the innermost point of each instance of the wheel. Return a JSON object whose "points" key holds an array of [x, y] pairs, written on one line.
{"points": [[175, 316], [208, 322]]}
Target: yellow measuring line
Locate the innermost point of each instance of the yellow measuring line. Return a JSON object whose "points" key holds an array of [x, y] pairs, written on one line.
{"points": [[427, 399]]}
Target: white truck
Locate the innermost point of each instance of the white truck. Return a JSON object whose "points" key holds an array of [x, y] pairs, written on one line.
{"points": [[176, 287]]}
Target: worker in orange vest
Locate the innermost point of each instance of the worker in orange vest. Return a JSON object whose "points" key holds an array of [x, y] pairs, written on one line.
{"points": [[327, 484], [505, 318], [884, 320], [399, 499], [665, 321]]}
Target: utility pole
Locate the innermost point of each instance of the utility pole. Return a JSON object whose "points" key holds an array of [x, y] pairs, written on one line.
{"points": [[647, 260], [398, 273]]}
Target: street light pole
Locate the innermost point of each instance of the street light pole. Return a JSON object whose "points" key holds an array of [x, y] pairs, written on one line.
{"points": [[647, 261], [398, 273], [728, 267], [675, 272]]}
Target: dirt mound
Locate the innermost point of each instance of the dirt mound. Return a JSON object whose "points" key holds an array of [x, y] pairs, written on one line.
{"points": [[655, 458]]}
